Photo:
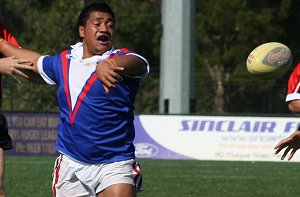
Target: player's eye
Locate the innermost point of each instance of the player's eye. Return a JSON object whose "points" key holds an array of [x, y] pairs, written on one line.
{"points": [[107, 23], [110, 25]]}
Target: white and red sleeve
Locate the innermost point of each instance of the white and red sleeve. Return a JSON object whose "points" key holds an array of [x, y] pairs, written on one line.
{"points": [[294, 85]]}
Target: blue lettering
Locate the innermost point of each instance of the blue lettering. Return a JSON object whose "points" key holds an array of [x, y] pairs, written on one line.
{"points": [[232, 126], [204, 123], [219, 125], [256, 126], [185, 125], [195, 125], [245, 126], [291, 126], [268, 126]]}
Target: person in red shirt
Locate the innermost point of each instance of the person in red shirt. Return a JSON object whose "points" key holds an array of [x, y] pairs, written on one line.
{"points": [[292, 143], [11, 67], [6, 35]]}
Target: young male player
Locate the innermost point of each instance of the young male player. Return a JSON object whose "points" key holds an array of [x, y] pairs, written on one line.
{"points": [[9, 66], [97, 85], [292, 143]]}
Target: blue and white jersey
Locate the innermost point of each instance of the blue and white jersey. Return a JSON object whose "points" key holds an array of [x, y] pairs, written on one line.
{"points": [[94, 127]]}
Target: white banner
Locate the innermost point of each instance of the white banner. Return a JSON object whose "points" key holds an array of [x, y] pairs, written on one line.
{"points": [[213, 137]]}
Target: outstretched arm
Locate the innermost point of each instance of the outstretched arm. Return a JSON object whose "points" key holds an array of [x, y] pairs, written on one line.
{"points": [[294, 106], [109, 71], [9, 50], [290, 143]]}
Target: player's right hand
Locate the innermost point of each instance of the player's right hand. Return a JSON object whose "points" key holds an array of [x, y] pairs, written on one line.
{"points": [[107, 72]]}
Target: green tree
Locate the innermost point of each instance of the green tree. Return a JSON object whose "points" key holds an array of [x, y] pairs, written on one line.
{"points": [[227, 31]]}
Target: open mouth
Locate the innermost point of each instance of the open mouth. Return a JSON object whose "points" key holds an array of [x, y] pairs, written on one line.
{"points": [[103, 38]]}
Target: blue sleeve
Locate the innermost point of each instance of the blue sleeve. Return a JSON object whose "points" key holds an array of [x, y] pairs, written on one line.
{"points": [[50, 68]]}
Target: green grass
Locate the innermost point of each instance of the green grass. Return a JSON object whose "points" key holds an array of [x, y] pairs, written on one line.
{"points": [[31, 176]]}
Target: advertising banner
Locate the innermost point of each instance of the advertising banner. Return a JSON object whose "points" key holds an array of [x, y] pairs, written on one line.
{"points": [[243, 138], [212, 137], [32, 134]]}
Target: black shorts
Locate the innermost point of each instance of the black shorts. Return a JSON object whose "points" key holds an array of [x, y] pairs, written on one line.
{"points": [[5, 140]]}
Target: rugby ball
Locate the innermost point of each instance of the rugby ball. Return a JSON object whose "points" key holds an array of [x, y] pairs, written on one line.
{"points": [[270, 60]]}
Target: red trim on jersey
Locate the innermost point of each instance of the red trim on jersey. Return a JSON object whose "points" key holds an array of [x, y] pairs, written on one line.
{"points": [[122, 50], [65, 70], [294, 81], [82, 95], [57, 168]]}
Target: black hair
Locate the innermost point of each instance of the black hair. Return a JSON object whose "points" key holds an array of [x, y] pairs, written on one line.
{"points": [[94, 7]]}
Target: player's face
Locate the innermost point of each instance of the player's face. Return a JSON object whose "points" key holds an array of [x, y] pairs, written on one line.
{"points": [[98, 34]]}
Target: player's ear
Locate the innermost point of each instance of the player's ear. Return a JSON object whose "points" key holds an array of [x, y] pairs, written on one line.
{"points": [[81, 31]]}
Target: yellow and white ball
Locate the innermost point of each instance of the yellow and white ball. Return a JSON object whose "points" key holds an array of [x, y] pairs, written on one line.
{"points": [[270, 60]]}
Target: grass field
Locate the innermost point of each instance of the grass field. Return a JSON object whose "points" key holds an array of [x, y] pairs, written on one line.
{"points": [[31, 176]]}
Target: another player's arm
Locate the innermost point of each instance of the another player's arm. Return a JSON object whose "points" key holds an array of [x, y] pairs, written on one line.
{"points": [[8, 50], [12, 67], [110, 71], [291, 144], [294, 106]]}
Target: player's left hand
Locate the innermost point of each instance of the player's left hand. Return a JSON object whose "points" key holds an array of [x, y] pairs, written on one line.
{"points": [[290, 143], [107, 72]]}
